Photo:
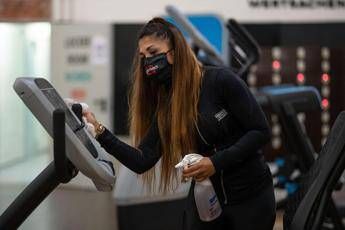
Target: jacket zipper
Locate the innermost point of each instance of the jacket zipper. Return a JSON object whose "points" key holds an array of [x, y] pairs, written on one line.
{"points": [[202, 137], [215, 150], [222, 183]]}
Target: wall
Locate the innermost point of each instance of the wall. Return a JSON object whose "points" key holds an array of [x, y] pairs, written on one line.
{"points": [[81, 66], [24, 10], [249, 10]]}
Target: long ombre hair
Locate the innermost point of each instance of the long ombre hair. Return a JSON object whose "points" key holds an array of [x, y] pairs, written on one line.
{"points": [[175, 109]]}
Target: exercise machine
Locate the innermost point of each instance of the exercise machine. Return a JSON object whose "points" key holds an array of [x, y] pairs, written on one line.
{"points": [[74, 150], [309, 207]]}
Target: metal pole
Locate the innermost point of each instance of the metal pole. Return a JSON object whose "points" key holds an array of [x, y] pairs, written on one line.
{"points": [[30, 198]]}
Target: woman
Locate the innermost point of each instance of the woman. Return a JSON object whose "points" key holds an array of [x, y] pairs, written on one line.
{"points": [[178, 106]]}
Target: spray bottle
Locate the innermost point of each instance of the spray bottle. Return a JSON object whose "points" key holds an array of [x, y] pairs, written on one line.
{"points": [[206, 199]]}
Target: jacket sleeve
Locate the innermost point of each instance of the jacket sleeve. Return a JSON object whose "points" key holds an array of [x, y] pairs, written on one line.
{"points": [[242, 105], [138, 159]]}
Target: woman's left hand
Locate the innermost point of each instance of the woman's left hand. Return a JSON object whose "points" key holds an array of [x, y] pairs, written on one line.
{"points": [[200, 171]]}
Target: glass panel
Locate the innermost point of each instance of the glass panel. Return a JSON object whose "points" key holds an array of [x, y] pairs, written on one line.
{"points": [[24, 51]]}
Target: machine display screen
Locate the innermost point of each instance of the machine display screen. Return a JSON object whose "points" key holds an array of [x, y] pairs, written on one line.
{"points": [[71, 120]]}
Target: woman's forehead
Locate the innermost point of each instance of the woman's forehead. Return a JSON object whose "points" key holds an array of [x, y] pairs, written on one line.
{"points": [[151, 40]]}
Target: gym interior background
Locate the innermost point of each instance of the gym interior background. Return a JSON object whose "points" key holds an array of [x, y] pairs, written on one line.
{"points": [[85, 48]]}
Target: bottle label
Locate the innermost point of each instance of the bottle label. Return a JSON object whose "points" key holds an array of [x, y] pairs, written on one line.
{"points": [[214, 208]]}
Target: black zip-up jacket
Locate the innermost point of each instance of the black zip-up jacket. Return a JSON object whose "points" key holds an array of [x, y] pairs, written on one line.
{"points": [[232, 128]]}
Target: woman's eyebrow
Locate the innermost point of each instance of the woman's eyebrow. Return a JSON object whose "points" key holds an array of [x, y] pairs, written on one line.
{"points": [[149, 47]]}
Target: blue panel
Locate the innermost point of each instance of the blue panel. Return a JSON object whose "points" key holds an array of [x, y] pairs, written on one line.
{"points": [[209, 25]]}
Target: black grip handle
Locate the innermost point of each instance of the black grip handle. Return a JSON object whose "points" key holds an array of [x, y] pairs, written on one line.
{"points": [[78, 111]]}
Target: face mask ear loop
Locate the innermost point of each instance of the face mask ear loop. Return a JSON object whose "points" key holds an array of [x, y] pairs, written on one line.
{"points": [[166, 53]]}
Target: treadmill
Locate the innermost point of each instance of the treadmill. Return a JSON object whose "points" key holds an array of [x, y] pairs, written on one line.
{"points": [[287, 102], [74, 150]]}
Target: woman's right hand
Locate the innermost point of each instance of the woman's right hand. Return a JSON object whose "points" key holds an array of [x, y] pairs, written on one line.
{"points": [[91, 118], [88, 117]]}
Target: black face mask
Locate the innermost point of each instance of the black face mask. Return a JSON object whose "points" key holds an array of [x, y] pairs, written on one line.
{"points": [[158, 68]]}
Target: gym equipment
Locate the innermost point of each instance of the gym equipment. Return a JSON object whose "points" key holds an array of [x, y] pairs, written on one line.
{"points": [[82, 149], [244, 50], [242, 47], [199, 42], [287, 102], [307, 209], [74, 149], [286, 177]]}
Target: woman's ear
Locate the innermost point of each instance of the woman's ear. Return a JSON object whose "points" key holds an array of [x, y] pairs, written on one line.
{"points": [[170, 57]]}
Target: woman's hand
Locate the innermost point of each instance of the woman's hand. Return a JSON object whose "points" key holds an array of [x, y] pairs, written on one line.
{"points": [[91, 118], [200, 171]]}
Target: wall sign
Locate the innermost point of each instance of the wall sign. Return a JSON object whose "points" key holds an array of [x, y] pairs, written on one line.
{"points": [[305, 4]]}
